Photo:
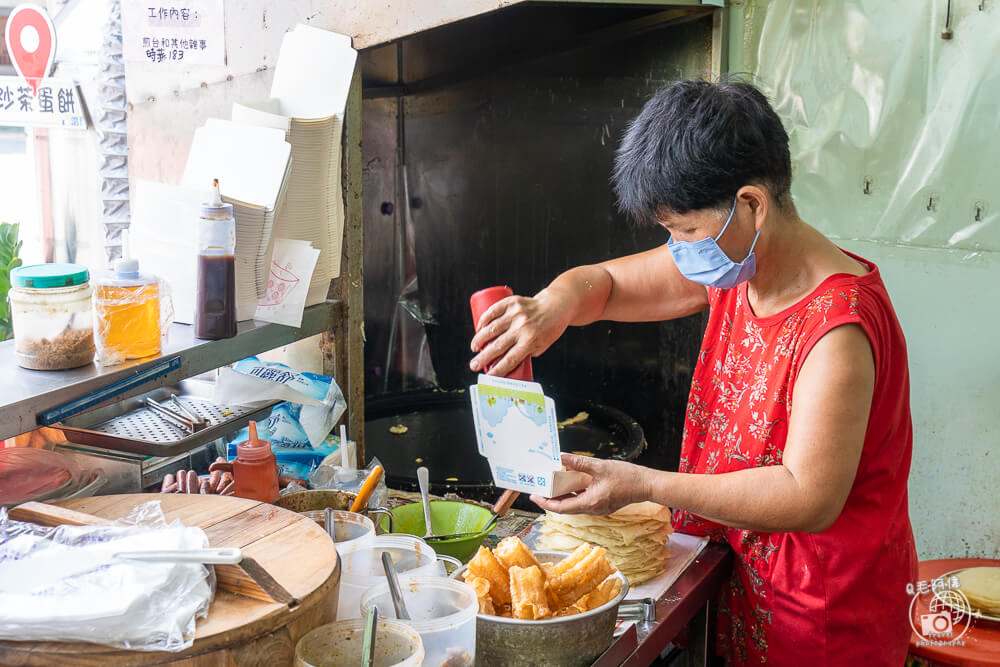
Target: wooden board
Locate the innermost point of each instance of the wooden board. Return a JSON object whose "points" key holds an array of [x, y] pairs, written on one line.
{"points": [[238, 630]]}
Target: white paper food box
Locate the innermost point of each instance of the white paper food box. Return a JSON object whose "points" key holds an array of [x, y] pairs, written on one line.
{"points": [[517, 433]]}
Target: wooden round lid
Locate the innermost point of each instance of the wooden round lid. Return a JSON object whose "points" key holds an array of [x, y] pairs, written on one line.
{"points": [[293, 549]]}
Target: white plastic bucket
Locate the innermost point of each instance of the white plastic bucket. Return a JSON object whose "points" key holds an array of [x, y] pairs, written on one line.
{"points": [[339, 645], [361, 567], [442, 610]]}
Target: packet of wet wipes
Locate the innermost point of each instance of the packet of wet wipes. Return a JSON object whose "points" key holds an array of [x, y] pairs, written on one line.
{"points": [[295, 460], [313, 403]]}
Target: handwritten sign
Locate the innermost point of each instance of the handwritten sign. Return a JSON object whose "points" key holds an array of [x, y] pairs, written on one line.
{"points": [[57, 103], [191, 32]]}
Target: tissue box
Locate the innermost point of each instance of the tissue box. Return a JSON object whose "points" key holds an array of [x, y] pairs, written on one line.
{"points": [[516, 431]]}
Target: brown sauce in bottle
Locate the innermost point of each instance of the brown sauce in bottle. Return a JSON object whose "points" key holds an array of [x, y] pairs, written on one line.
{"points": [[215, 316]]}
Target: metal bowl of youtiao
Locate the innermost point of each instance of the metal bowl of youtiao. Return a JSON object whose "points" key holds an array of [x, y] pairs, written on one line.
{"points": [[577, 639]]}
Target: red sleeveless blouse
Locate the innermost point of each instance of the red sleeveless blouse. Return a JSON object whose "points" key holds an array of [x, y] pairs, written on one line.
{"points": [[837, 597]]}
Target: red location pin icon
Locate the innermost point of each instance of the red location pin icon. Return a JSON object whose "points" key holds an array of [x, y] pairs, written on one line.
{"points": [[31, 43]]}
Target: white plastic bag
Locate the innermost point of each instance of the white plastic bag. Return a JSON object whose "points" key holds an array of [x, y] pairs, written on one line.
{"points": [[327, 476], [63, 584], [313, 403]]}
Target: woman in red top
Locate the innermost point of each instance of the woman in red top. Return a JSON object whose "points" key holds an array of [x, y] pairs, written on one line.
{"points": [[797, 437]]}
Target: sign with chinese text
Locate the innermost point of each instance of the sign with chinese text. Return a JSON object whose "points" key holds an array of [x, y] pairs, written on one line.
{"points": [[57, 103], [190, 32]]}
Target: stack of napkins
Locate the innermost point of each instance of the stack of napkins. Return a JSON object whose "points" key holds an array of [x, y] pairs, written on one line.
{"points": [[253, 165], [516, 430], [308, 97]]}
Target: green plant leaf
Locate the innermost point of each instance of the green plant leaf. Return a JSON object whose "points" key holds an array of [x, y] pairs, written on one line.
{"points": [[10, 246]]}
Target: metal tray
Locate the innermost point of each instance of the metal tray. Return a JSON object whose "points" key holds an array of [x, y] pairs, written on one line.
{"points": [[130, 426]]}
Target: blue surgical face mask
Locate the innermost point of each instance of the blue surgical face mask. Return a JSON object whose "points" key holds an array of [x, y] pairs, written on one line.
{"points": [[704, 261]]}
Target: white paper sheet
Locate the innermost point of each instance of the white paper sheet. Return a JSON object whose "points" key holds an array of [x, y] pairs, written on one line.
{"points": [[164, 237], [314, 71], [165, 35], [683, 550], [262, 113], [292, 264], [249, 161]]}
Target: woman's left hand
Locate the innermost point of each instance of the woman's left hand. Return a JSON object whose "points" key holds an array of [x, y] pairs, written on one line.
{"points": [[615, 484]]}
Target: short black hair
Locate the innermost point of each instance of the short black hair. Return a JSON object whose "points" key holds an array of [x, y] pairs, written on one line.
{"points": [[694, 144]]}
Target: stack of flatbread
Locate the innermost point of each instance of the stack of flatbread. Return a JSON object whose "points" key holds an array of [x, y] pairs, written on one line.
{"points": [[981, 586], [636, 537]]}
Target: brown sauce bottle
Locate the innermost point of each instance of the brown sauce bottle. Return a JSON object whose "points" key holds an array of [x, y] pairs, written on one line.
{"points": [[215, 317], [215, 312]]}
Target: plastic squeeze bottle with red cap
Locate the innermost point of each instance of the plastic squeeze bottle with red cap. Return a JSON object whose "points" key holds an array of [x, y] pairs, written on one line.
{"points": [[255, 469], [480, 302]]}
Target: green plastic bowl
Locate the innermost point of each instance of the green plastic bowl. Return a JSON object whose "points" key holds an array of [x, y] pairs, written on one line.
{"points": [[447, 517]]}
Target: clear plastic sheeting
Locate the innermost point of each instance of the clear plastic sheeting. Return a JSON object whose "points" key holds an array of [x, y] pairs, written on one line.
{"points": [[350, 480], [132, 318], [894, 130], [64, 584]]}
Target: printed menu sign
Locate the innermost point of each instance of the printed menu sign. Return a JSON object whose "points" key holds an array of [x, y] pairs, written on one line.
{"points": [[189, 32], [57, 104]]}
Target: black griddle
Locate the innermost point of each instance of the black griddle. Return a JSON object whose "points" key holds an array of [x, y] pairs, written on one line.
{"points": [[441, 435]]}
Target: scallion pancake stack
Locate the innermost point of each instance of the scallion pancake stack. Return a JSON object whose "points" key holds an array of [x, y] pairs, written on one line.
{"points": [[981, 585], [636, 537]]}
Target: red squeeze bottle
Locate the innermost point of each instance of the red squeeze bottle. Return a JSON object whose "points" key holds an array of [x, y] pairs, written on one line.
{"points": [[255, 469], [480, 303]]}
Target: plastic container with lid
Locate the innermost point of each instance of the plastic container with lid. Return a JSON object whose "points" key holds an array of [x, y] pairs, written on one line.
{"points": [[53, 320], [255, 469], [361, 567], [443, 611], [339, 645], [126, 311], [352, 530]]}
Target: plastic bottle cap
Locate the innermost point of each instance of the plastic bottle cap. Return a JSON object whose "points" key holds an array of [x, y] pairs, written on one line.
{"points": [[216, 209], [254, 448], [41, 276], [127, 266]]}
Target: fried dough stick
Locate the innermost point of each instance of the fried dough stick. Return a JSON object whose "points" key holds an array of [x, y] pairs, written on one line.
{"points": [[511, 551], [484, 564], [607, 591], [584, 576], [527, 593], [482, 588]]}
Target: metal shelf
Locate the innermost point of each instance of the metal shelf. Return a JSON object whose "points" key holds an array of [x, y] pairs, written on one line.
{"points": [[28, 394]]}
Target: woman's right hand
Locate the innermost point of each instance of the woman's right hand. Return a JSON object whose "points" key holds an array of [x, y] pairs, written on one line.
{"points": [[516, 327]]}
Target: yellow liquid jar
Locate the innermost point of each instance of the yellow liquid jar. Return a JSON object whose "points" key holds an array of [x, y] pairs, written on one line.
{"points": [[126, 317]]}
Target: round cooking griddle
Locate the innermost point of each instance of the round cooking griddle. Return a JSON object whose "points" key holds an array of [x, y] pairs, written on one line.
{"points": [[440, 434]]}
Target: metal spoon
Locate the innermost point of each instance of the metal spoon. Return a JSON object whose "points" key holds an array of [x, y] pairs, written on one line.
{"points": [[328, 522], [499, 509], [368, 644], [394, 590], [423, 480]]}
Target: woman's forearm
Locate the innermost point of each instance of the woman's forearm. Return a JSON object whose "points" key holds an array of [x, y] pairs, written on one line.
{"points": [[587, 288], [767, 499]]}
